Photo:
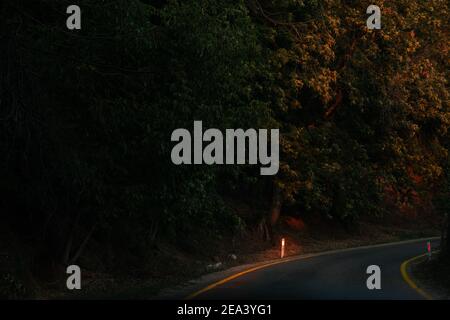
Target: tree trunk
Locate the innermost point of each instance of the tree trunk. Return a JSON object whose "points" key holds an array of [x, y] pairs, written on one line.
{"points": [[83, 244], [445, 240], [264, 230], [275, 209], [70, 239], [270, 220]]}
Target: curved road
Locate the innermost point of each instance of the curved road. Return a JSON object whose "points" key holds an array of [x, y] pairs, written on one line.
{"points": [[338, 275]]}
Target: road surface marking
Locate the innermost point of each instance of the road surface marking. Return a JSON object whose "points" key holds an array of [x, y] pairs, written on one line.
{"points": [[299, 257], [236, 275], [409, 281]]}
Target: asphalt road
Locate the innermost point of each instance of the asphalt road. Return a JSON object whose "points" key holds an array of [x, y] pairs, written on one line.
{"points": [[339, 275]]}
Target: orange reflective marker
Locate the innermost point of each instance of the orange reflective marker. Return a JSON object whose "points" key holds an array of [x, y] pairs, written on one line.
{"points": [[282, 247]]}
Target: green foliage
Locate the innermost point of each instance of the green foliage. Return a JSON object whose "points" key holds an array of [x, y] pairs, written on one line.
{"points": [[361, 122], [86, 117], [102, 104]]}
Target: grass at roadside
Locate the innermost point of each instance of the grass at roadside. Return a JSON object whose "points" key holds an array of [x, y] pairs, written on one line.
{"points": [[433, 276]]}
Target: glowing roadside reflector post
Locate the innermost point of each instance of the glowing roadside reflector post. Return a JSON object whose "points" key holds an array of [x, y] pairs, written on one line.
{"points": [[429, 250], [283, 242]]}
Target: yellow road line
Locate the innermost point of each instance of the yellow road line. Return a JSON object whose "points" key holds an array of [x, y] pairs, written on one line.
{"points": [[407, 278], [239, 274]]}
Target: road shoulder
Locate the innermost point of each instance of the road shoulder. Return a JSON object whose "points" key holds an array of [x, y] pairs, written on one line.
{"points": [[432, 276]]}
